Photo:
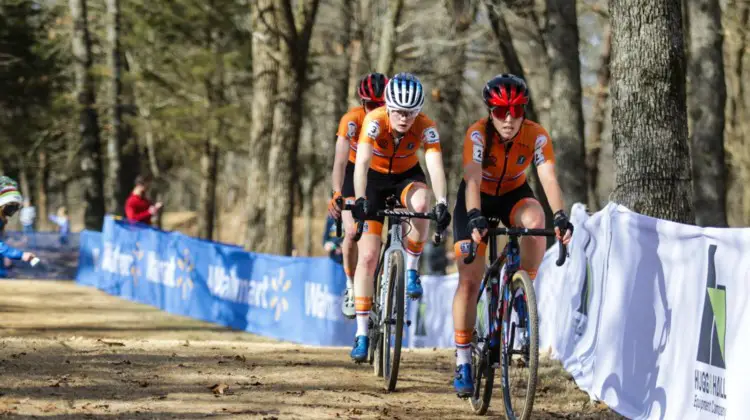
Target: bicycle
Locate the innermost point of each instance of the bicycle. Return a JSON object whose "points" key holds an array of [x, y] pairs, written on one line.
{"points": [[389, 300], [493, 346]]}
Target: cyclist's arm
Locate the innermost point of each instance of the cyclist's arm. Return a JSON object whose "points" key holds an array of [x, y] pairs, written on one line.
{"points": [[10, 252], [364, 156], [434, 161], [473, 178], [548, 178], [339, 163]]}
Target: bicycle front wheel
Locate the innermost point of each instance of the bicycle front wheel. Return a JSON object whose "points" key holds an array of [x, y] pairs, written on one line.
{"points": [[376, 333], [520, 347], [393, 317], [481, 365]]}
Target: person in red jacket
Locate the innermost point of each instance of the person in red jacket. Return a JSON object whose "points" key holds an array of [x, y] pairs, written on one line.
{"points": [[137, 207]]}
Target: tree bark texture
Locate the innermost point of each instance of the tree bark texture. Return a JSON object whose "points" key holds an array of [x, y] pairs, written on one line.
{"points": [[566, 116], [706, 103], [598, 119], [387, 51], [265, 69], [114, 145], [91, 158], [287, 123], [649, 115]]}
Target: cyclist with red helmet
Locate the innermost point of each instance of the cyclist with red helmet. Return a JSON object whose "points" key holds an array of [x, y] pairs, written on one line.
{"points": [[497, 151], [371, 92]]}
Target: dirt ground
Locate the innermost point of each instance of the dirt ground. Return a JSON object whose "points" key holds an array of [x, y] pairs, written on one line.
{"points": [[72, 352]]}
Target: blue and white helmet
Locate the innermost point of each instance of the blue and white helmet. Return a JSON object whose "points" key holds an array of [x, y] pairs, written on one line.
{"points": [[404, 92]]}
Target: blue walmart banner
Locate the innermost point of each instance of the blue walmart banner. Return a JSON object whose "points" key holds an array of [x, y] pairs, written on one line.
{"points": [[296, 299]]}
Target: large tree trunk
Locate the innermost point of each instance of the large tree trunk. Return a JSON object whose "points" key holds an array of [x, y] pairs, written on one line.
{"points": [[343, 71], [287, 123], [461, 13], [736, 20], [598, 119], [387, 49], [566, 116], [91, 159], [707, 99], [114, 145], [265, 71], [649, 116]]}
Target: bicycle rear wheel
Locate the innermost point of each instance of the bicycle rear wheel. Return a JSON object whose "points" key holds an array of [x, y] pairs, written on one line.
{"points": [[520, 366], [481, 366], [393, 317]]}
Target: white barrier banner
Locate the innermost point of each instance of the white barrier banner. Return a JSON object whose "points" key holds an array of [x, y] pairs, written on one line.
{"points": [[651, 316]]}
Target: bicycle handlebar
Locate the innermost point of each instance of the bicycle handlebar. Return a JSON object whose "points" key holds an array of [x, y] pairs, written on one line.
{"points": [[562, 251], [399, 214]]}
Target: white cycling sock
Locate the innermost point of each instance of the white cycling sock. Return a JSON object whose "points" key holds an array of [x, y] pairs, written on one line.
{"points": [[412, 261], [362, 323], [463, 355]]}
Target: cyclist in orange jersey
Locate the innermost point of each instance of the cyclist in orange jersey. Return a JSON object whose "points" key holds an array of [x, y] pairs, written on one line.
{"points": [[387, 164], [371, 92], [497, 151]]}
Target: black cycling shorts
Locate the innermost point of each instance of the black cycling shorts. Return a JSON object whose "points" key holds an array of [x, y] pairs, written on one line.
{"points": [[347, 190], [496, 208], [380, 186]]}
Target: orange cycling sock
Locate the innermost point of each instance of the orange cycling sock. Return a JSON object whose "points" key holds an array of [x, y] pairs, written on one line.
{"points": [[463, 346]]}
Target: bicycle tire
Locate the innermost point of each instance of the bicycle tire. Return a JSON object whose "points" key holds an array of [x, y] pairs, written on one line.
{"points": [[376, 335], [395, 295], [521, 279], [480, 363]]}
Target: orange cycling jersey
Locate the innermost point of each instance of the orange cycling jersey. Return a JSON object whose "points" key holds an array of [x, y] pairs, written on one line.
{"points": [[349, 127], [507, 162], [389, 156]]}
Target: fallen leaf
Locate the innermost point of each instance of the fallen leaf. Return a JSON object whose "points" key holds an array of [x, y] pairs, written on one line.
{"points": [[219, 389], [49, 407], [240, 358], [143, 384]]}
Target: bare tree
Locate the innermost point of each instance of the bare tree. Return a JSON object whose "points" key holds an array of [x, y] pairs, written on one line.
{"points": [[706, 102], [294, 45], [387, 52], [737, 19], [649, 116], [566, 116], [91, 159], [598, 119], [115, 200], [265, 69]]}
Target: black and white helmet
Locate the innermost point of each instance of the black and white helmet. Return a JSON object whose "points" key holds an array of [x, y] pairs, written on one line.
{"points": [[404, 92]]}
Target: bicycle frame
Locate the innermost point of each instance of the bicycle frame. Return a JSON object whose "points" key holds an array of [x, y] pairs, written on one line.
{"points": [[392, 245]]}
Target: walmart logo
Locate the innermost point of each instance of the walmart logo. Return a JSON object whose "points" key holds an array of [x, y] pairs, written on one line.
{"points": [[269, 293], [185, 267], [713, 326]]}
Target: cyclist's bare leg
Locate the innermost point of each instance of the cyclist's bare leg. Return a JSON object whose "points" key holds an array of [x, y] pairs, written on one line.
{"points": [[464, 301], [528, 213], [416, 199], [349, 246], [367, 261]]}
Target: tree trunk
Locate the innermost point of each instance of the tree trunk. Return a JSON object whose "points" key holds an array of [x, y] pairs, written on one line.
{"points": [[307, 214], [736, 23], [566, 118], [23, 180], [91, 159], [707, 99], [207, 192], [598, 119], [265, 70], [343, 70], [42, 179], [114, 145], [387, 49], [287, 124], [461, 14], [649, 128]]}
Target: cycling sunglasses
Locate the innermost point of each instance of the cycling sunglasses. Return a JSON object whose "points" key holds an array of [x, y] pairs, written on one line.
{"points": [[500, 112], [10, 209]]}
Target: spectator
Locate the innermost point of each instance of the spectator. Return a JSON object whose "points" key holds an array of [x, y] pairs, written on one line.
{"points": [[27, 216], [63, 223], [331, 243], [137, 207]]}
